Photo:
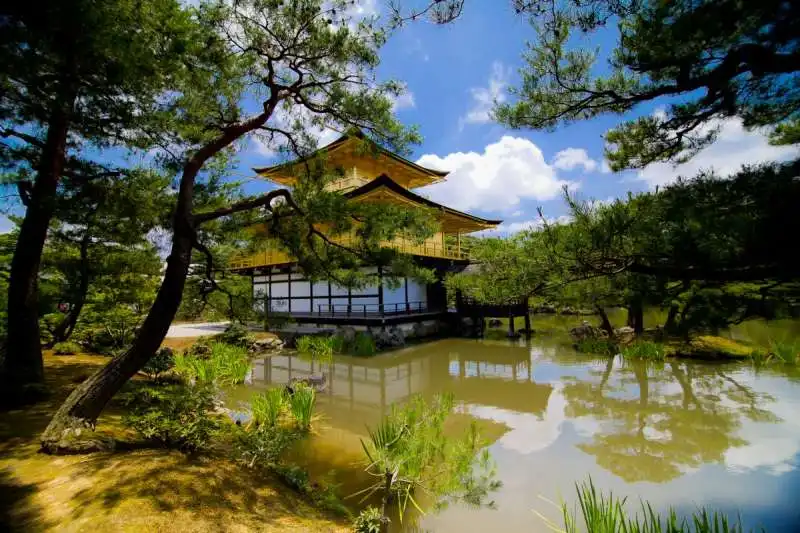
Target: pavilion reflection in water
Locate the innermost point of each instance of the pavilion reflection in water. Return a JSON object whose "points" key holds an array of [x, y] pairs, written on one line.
{"points": [[361, 390]]}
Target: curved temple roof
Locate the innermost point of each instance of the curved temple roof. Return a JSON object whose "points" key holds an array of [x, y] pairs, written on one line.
{"points": [[453, 220], [348, 152]]}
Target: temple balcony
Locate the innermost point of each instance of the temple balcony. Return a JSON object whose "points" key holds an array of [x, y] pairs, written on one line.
{"points": [[272, 255]]}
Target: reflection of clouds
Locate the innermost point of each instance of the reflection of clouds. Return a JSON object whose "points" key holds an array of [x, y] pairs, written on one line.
{"points": [[776, 455], [772, 447], [529, 433]]}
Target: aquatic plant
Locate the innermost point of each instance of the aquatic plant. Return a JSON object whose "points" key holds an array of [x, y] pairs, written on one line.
{"points": [[322, 348], [363, 345], [317, 347], [606, 513], [369, 520], [232, 363], [787, 352], [224, 364], [408, 452], [268, 407], [301, 405], [644, 350], [597, 346]]}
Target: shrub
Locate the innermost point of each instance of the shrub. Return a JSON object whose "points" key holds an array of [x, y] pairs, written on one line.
{"points": [[235, 334], [67, 348], [177, 416], [322, 493], [262, 445], [301, 405], [161, 362], [597, 346], [108, 331], [369, 520], [645, 350]]}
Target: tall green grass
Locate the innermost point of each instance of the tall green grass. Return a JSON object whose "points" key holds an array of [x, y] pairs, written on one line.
{"points": [[785, 351], [225, 365], [301, 405], [597, 346], [363, 345], [317, 347], [268, 407], [654, 351], [597, 512], [322, 348]]}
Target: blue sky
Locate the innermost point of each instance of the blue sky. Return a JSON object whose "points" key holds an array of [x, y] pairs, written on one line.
{"points": [[453, 74]]}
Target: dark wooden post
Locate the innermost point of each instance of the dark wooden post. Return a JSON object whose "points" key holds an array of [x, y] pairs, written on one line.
{"points": [[511, 324], [527, 324]]}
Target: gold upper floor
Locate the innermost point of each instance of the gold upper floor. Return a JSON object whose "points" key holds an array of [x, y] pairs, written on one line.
{"points": [[373, 174]]}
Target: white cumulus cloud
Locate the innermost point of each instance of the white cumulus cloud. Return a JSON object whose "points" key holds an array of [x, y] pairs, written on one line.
{"points": [[735, 146], [506, 172], [574, 157], [484, 98]]}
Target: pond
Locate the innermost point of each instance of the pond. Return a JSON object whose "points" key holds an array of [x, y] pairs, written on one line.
{"points": [[676, 433]]}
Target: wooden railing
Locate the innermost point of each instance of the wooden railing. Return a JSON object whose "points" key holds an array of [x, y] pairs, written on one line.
{"points": [[275, 256], [371, 310]]}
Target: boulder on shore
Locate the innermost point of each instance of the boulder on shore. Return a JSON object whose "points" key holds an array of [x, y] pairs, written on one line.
{"points": [[389, 338], [625, 334], [495, 323], [259, 346], [347, 333], [587, 331]]}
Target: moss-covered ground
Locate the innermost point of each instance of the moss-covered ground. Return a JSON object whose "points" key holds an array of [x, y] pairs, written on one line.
{"points": [[132, 490]]}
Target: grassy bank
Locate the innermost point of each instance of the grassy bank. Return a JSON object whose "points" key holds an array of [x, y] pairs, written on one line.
{"points": [[139, 490]]}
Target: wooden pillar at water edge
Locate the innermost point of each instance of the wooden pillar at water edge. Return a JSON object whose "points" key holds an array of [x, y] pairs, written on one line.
{"points": [[511, 324], [527, 325]]}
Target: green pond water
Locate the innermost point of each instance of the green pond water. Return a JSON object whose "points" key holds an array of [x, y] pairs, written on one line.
{"points": [[678, 433]]}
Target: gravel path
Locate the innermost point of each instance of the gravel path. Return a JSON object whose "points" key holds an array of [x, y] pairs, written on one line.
{"points": [[196, 329]]}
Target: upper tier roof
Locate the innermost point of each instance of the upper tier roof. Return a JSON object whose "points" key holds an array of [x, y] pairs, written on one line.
{"points": [[349, 153]]}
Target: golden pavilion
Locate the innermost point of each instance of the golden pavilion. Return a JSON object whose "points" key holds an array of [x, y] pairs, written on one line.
{"points": [[378, 176]]}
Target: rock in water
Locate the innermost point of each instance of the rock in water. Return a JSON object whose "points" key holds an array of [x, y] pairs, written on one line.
{"points": [[625, 334], [586, 331], [318, 382]]}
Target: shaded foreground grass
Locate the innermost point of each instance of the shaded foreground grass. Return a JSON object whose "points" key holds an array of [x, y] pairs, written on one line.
{"points": [[139, 490]]}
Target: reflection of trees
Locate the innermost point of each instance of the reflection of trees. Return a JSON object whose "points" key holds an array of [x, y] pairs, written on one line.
{"points": [[656, 420]]}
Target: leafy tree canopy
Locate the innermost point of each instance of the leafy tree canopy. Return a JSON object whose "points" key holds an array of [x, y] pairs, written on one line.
{"points": [[705, 60]]}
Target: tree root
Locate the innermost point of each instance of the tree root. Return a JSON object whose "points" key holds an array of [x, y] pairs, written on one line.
{"points": [[74, 436]]}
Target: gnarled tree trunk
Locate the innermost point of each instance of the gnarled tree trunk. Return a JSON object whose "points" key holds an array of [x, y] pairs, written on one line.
{"points": [[23, 358], [605, 323], [87, 401], [81, 409], [636, 316]]}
